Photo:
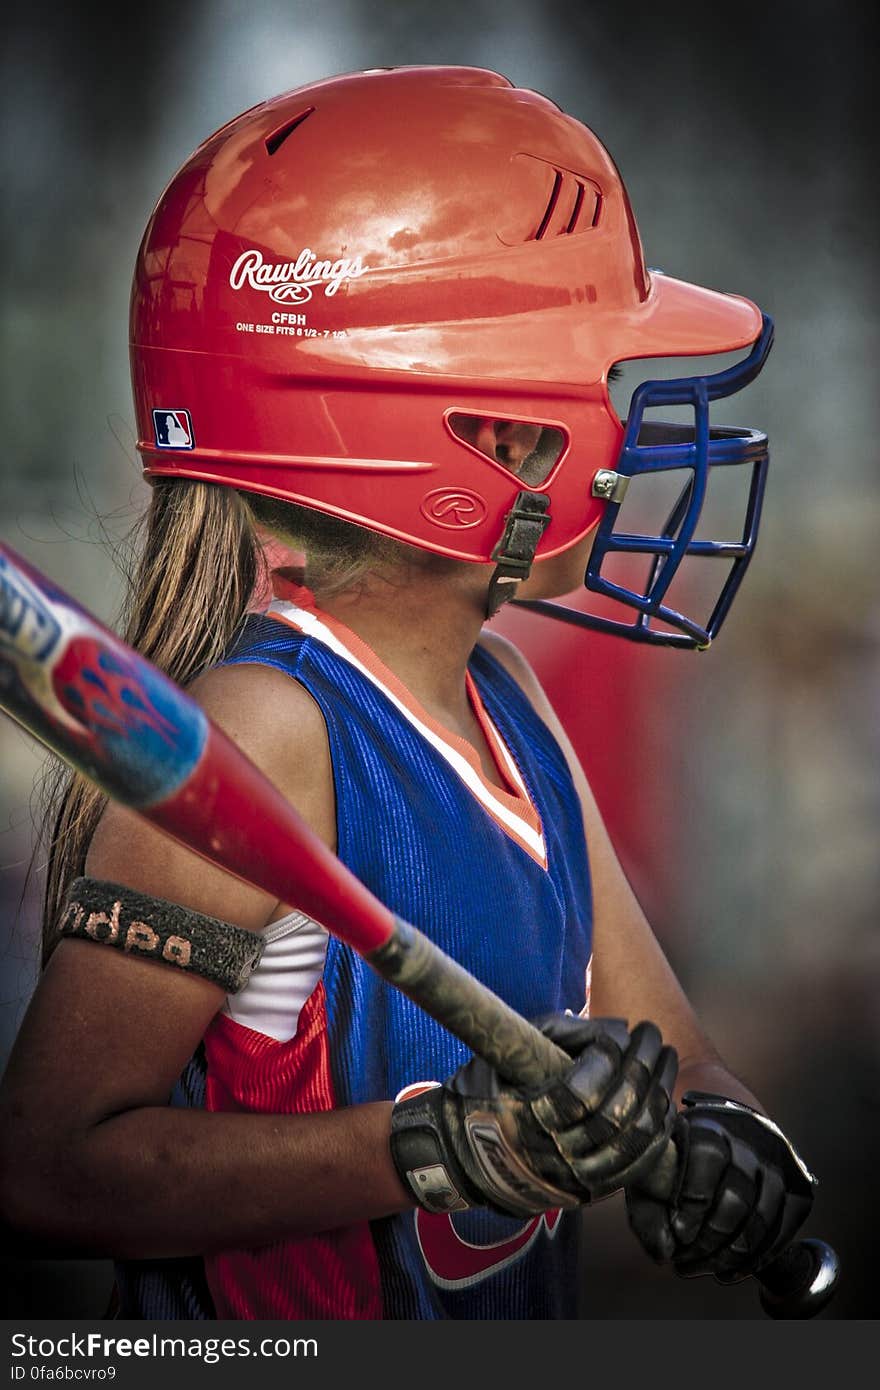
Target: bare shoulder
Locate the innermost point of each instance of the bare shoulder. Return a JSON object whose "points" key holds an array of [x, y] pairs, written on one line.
{"points": [[271, 716], [276, 723], [509, 655]]}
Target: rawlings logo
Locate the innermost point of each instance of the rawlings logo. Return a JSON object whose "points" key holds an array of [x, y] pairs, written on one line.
{"points": [[292, 282], [454, 508]]}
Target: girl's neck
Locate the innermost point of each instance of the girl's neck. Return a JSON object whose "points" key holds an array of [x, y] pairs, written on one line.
{"points": [[423, 629]]}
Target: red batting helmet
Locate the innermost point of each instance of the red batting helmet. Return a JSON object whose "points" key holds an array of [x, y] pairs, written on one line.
{"points": [[336, 279]]}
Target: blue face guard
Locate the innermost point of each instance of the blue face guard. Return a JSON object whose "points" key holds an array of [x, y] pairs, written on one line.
{"points": [[657, 448]]}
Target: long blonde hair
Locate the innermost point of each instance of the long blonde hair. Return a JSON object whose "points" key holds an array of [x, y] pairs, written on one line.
{"points": [[200, 560]]}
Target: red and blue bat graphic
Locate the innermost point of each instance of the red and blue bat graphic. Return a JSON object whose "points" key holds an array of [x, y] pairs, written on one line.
{"points": [[111, 714], [126, 725]]}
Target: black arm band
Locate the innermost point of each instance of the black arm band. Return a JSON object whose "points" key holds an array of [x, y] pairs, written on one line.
{"points": [[159, 930]]}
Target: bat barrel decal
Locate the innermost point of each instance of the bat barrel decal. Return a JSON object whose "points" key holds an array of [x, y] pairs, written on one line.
{"points": [[112, 715], [88, 696]]}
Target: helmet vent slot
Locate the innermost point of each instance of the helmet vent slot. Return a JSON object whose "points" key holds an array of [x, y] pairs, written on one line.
{"points": [[543, 201], [576, 210], [573, 206], [278, 137], [551, 206]]}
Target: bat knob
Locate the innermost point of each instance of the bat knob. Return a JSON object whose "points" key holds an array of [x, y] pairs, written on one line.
{"points": [[801, 1281]]}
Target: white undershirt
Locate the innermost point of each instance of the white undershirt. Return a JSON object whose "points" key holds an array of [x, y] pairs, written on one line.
{"points": [[291, 965]]}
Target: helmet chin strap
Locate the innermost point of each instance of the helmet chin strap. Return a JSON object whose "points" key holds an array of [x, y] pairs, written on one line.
{"points": [[524, 526]]}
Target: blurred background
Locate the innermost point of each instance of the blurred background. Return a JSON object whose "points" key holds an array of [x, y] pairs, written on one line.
{"points": [[740, 786]]}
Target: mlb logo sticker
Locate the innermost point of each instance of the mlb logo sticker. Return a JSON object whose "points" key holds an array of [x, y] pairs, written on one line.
{"points": [[173, 429]]}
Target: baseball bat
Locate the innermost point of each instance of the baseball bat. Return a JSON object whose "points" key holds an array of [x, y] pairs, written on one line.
{"points": [[112, 715]]}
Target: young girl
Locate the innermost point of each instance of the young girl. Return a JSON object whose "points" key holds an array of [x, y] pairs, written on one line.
{"points": [[374, 319]]}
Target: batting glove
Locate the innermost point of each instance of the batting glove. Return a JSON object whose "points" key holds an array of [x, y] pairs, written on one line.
{"points": [[521, 1150], [741, 1192]]}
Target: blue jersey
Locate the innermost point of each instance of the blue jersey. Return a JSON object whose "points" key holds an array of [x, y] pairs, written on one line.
{"points": [[498, 877]]}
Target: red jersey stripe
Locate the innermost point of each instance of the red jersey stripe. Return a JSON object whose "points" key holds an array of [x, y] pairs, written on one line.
{"points": [[331, 1275]]}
